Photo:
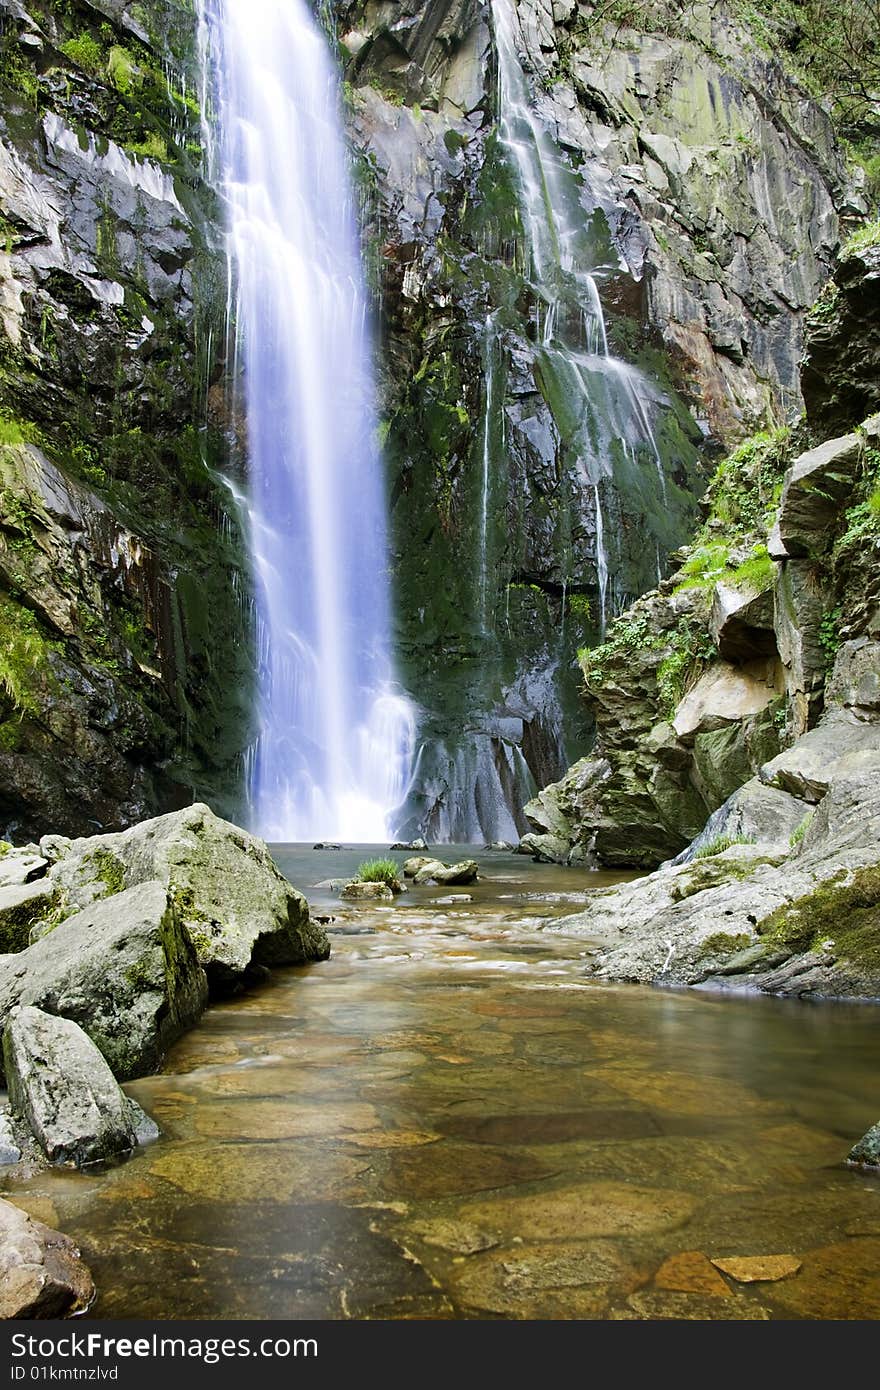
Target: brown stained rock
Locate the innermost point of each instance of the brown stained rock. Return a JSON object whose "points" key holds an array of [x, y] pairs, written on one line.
{"points": [[691, 1272], [41, 1273], [756, 1269], [567, 1279], [583, 1211]]}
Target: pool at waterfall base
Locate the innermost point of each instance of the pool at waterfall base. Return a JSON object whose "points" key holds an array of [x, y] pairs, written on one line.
{"points": [[450, 1119]]}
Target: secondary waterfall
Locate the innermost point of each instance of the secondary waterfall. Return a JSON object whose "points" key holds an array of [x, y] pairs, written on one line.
{"points": [[607, 403], [335, 739]]}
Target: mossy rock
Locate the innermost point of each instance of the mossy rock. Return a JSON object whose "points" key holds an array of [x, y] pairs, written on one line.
{"points": [[844, 911]]}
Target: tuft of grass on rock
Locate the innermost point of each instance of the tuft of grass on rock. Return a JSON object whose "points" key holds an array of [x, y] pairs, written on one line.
{"points": [[378, 871], [719, 843]]}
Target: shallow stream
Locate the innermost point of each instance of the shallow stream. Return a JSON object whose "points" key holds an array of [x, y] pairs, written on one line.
{"points": [[447, 1119]]}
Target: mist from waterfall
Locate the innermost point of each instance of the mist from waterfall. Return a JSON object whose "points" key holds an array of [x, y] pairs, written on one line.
{"points": [[333, 754]]}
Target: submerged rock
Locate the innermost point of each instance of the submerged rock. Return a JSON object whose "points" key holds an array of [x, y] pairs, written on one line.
{"points": [[124, 969], [62, 1086], [362, 892], [41, 1272], [866, 1153], [237, 908]]}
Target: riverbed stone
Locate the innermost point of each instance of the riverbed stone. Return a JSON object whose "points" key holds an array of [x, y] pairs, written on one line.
{"points": [[367, 892], [62, 1086], [22, 866], [41, 1272], [124, 969], [866, 1153], [756, 1269], [466, 871], [10, 1149], [237, 908]]}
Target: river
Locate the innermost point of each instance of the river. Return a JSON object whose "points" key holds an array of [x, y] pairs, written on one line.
{"points": [[447, 1119]]}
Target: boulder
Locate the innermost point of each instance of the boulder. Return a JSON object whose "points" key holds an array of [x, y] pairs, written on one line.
{"points": [[61, 1085], [855, 679], [546, 849], [420, 861], [466, 871], [409, 844], [41, 1272], [809, 766], [765, 815], [21, 907], [22, 866], [866, 1153], [125, 970], [10, 1150], [238, 909], [725, 694], [741, 623], [363, 892], [817, 488]]}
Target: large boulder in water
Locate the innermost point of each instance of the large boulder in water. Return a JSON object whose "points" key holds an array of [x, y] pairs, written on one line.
{"points": [[60, 1084], [239, 911], [124, 969], [41, 1273]]}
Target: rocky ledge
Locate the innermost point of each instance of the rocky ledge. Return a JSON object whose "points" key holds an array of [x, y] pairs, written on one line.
{"points": [[780, 893]]}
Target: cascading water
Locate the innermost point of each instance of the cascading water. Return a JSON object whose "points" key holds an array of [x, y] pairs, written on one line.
{"points": [[335, 739], [607, 402]]}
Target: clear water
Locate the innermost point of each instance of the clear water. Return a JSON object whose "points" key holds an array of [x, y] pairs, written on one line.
{"points": [[335, 740], [448, 1119]]}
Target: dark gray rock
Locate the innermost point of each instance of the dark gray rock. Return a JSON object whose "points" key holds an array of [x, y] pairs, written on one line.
{"points": [[41, 1272], [124, 969], [63, 1088], [816, 487]]}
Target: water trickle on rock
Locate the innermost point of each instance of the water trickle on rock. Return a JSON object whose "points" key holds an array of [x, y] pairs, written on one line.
{"points": [[335, 740], [609, 405]]}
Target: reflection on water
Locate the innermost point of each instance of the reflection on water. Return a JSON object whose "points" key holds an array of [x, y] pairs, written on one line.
{"points": [[448, 1120]]}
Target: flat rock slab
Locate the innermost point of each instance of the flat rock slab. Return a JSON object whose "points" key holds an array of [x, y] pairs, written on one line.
{"points": [[41, 1273], [62, 1086], [691, 1272], [367, 892], [758, 1269]]}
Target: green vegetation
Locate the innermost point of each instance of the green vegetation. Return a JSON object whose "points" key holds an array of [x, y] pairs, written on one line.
{"points": [[379, 871], [85, 52], [800, 830], [842, 916], [152, 147], [691, 650], [719, 843], [106, 867], [724, 944], [24, 656], [829, 634], [866, 236], [123, 71], [5, 847]]}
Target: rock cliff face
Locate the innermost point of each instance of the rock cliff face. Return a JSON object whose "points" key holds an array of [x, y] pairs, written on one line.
{"points": [[124, 678], [708, 185], [779, 890]]}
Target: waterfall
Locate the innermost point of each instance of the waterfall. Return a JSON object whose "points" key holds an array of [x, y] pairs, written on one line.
{"points": [[335, 737], [489, 413], [601, 562], [608, 402]]}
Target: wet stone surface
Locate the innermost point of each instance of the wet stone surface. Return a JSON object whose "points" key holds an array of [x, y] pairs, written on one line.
{"points": [[448, 1120]]}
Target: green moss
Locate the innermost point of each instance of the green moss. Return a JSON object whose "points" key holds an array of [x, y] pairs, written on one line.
{"points": [[17, 922], [104, 865], [140, 978], [25, 652], [5, 847], [723, 944], [720, 843], [85, 52], [123, 71], [844, 912], [153, 146]]}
